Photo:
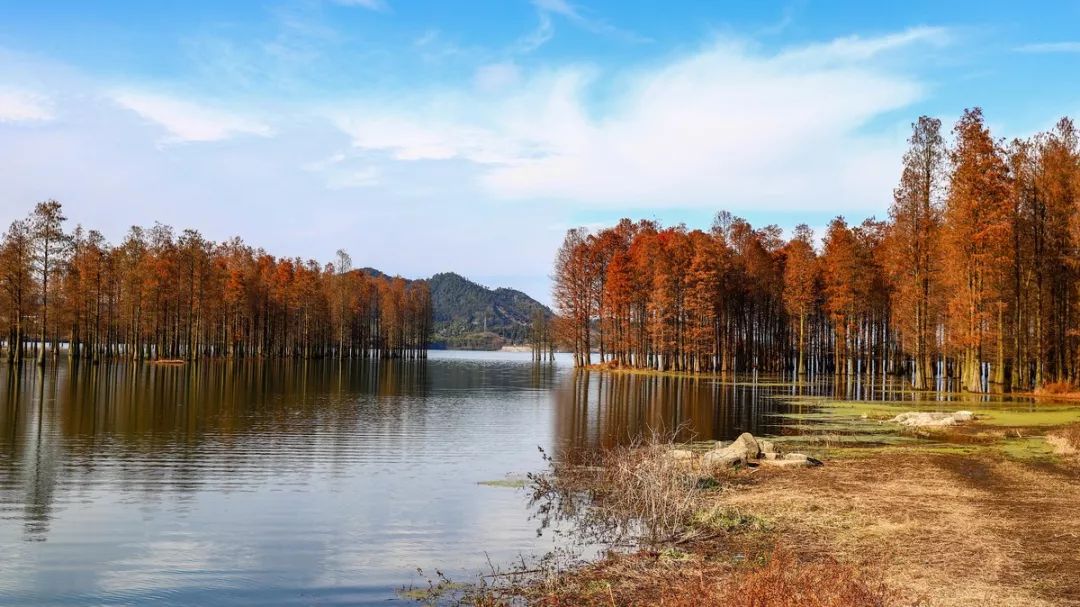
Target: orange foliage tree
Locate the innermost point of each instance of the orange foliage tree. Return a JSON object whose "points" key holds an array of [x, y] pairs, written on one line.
{"points": [[157, 295], [972, 282]]}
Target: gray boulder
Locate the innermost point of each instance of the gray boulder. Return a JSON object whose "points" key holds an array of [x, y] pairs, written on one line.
{"points": [[785, 463], [922, 419], [741, 450], [745, 444], [721, 458]]}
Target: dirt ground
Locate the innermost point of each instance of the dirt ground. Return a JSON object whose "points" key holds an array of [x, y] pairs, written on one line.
{"points": [[941, 529], [923, 524]]}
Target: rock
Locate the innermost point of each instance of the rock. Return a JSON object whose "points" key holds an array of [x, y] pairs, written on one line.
{"points": [[920, 419], [746, 444], [786, 463], [738, 452], [722, 458], [748, 450]]}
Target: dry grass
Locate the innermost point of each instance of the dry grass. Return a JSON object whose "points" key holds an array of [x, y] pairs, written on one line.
{"points": [[1066, 441], [904, 529], [1060, 391], [1058, 387], [942, 529], [787, 582], [690, 579], [645, 486]]}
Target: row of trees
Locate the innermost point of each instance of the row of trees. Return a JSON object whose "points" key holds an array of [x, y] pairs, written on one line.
{"points": [[974, 278], [159, 295]]}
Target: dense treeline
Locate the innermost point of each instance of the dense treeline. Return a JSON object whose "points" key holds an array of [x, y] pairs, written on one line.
{"points": [[973, 281], [159, 295]]}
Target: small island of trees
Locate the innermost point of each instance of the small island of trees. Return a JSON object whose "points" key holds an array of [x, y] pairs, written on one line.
{"points": [[974, 279], [162, 296]]}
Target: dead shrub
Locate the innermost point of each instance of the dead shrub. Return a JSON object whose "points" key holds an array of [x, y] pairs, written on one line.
{"points": [[646, 486], [1058, 387], [637, 494]]}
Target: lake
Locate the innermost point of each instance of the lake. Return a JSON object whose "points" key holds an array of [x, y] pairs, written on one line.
{"points": [[318, 482]]}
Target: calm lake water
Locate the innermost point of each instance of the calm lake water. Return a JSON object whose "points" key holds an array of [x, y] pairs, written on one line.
{"points": [[303, 483]]}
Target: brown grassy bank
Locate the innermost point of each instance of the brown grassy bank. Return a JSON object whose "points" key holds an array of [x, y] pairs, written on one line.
{"points": [[896, 528]]}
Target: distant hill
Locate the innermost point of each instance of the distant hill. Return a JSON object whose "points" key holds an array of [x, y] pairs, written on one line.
{"points": [[472, 316], [469, 316]]}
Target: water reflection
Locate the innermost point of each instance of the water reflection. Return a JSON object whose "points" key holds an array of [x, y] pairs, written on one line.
{"points": [[602, 410], [283, 481], [217, 482]]}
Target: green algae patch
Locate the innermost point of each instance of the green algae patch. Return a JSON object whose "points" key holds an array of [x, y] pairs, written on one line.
{"points": [[1026, 448], [433, 594], [1037, 416], [846, 429], [1022, 448], [908, 448], [510, 482], [1004, 413]]}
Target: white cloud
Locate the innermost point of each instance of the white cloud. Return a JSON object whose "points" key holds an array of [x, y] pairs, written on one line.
{"points": [[557, 6], [728, 126], [497, 76], [188, 121], [538, 37], [1050, 47], [358, 178], [23, 106], [412, 137], [373, 5], [340, 175], [860, 49]]}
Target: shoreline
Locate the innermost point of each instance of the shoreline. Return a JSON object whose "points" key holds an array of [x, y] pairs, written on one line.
{"points": [[932, 520], [772, 377]]}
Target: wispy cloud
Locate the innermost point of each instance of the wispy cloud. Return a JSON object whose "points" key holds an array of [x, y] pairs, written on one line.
{"points": [[371, 5], [495, 77], [188, 121], [579, 17], [356, 178], [24, 106], [728, 125], [339, 174], [536, 38], [862, 48], [1050, 47]]}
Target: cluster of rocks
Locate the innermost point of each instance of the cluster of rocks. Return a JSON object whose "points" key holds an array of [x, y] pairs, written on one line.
{"points": [[919, 419], [747, 450]]}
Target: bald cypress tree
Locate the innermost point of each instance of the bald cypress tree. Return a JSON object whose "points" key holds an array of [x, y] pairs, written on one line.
{"points": [[914, 240]]}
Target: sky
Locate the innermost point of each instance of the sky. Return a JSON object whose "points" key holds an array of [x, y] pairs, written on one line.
{"points": [[468, 136]]}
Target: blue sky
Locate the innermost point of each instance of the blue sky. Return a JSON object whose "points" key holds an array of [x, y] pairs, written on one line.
{"points": [[467, 136]]}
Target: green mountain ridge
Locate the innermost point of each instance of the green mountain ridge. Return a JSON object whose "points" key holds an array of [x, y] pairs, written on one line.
{"points": [[470, 316]]}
